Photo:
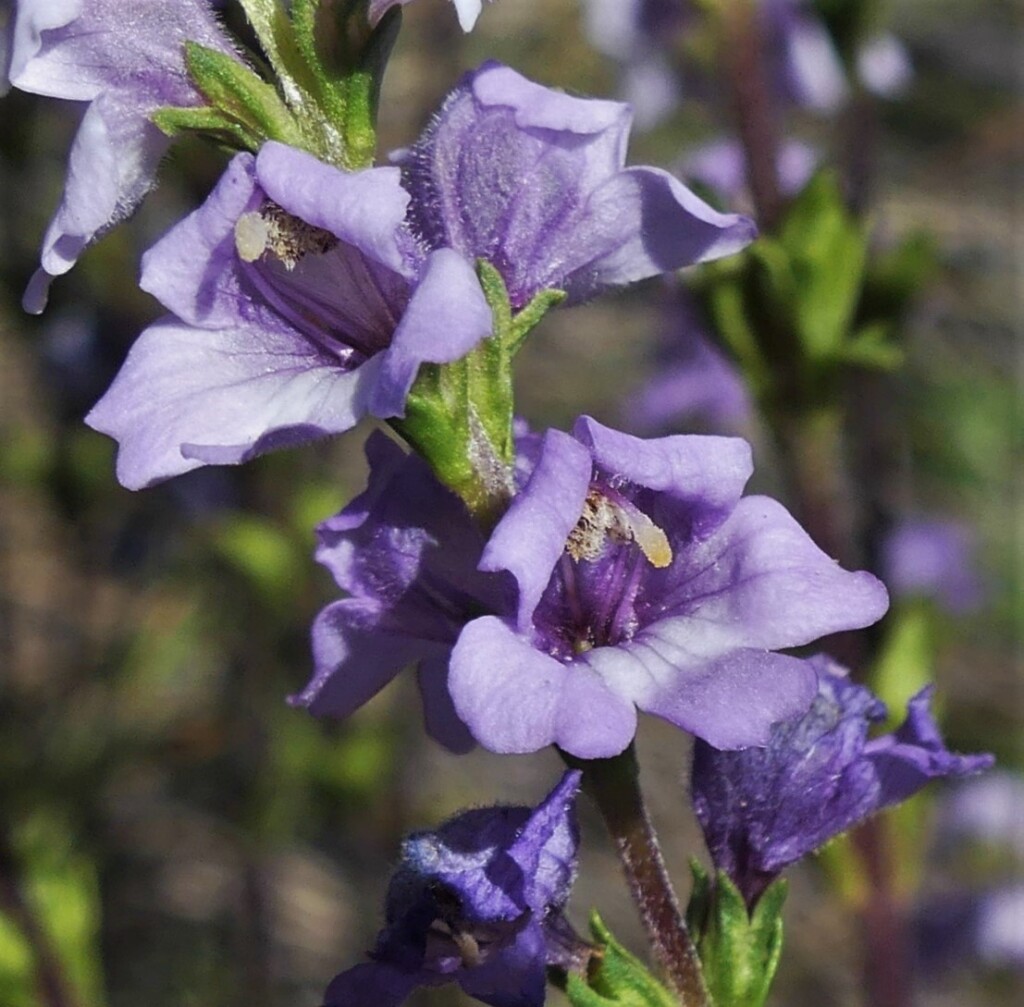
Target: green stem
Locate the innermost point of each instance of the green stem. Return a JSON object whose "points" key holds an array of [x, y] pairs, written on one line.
{"points": [[614, 786]]}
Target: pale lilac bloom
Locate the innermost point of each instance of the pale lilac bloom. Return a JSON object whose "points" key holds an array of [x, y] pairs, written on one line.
{"points": [[932, 558], [467, 10], [125, 60], [646, 582], [820, 774], [694, 381], [534, 181], [721, 165], [884, 66], [989, 810], [299, 305], [406, 553], [634, 34], [478, 902]]}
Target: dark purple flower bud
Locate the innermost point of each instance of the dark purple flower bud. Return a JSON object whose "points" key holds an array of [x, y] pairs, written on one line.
{"points": [[534, 181], [406, 553], [762, 809], [299, 306], [931, 558], [126, 61], [478, 902], [646, 582]]}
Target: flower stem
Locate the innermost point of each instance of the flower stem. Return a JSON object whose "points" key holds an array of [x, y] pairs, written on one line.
{"points": [[614, 786], [742, 48]]}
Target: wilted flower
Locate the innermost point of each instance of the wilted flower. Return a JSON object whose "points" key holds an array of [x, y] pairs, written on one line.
{"points": [[478, 902], [646, 582], [126, 60], [533, 181], [299, 305], [763, 809]]}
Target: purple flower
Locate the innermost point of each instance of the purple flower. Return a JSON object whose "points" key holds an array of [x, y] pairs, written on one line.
{"points": [[764, 808], [694, 382], [467, 10], [636, 34], [930, 558], [299, 305], [478, 902], [533, 180], [722, 166], [126, 61], [406, 552], [646, 582]]}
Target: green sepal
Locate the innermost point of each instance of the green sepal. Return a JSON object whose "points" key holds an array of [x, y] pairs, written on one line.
{"points": [[614, 977], [739, 950], [209, 121], [239, 95], [278, 40], [459, 415]]}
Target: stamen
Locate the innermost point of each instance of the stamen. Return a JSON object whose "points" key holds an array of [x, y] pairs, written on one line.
{"points": [[275, 231], [619, 520]]}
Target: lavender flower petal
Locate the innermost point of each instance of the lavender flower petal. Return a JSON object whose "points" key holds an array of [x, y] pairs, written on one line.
{"points": [[127, 63]]}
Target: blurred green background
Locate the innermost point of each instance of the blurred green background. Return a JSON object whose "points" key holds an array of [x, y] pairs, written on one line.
{"points": [[182, 838]]}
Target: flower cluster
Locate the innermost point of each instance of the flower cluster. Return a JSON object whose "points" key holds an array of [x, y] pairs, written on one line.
{"points": [[548, 586]]}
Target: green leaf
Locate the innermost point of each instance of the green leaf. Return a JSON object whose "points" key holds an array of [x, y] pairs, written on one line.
{"points": [[827, 248], [262, 553], [906, 663], [872, 346], [739, 951], [240, 95], [615, 978], [207, 120]]}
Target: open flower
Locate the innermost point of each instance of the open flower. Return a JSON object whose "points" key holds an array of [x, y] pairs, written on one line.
{"points": [[478, 902], [126, 60], [765, 808], [299, 305], [406, 553], [533, 181], [646, 582]]}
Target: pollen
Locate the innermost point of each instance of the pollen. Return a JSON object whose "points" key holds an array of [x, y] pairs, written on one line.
{"points": [[272, 230], [618, 520]]}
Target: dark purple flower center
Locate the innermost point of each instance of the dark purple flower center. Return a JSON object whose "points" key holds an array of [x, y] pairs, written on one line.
{"points": [[331, 292], [594, 596]]}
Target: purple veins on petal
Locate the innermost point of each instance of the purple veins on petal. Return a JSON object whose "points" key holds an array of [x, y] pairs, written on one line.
{"points": [[126, 61], [819, 774], [299, 303], [646, 582], [534, 181]]}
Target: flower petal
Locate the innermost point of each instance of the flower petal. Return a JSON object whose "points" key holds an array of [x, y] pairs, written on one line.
{"points": [[186, 397], [516, 699], [362, 208], [442, 722], [759, 581], [353, 662], [730, 700], [530, 538], [445, 318]]}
